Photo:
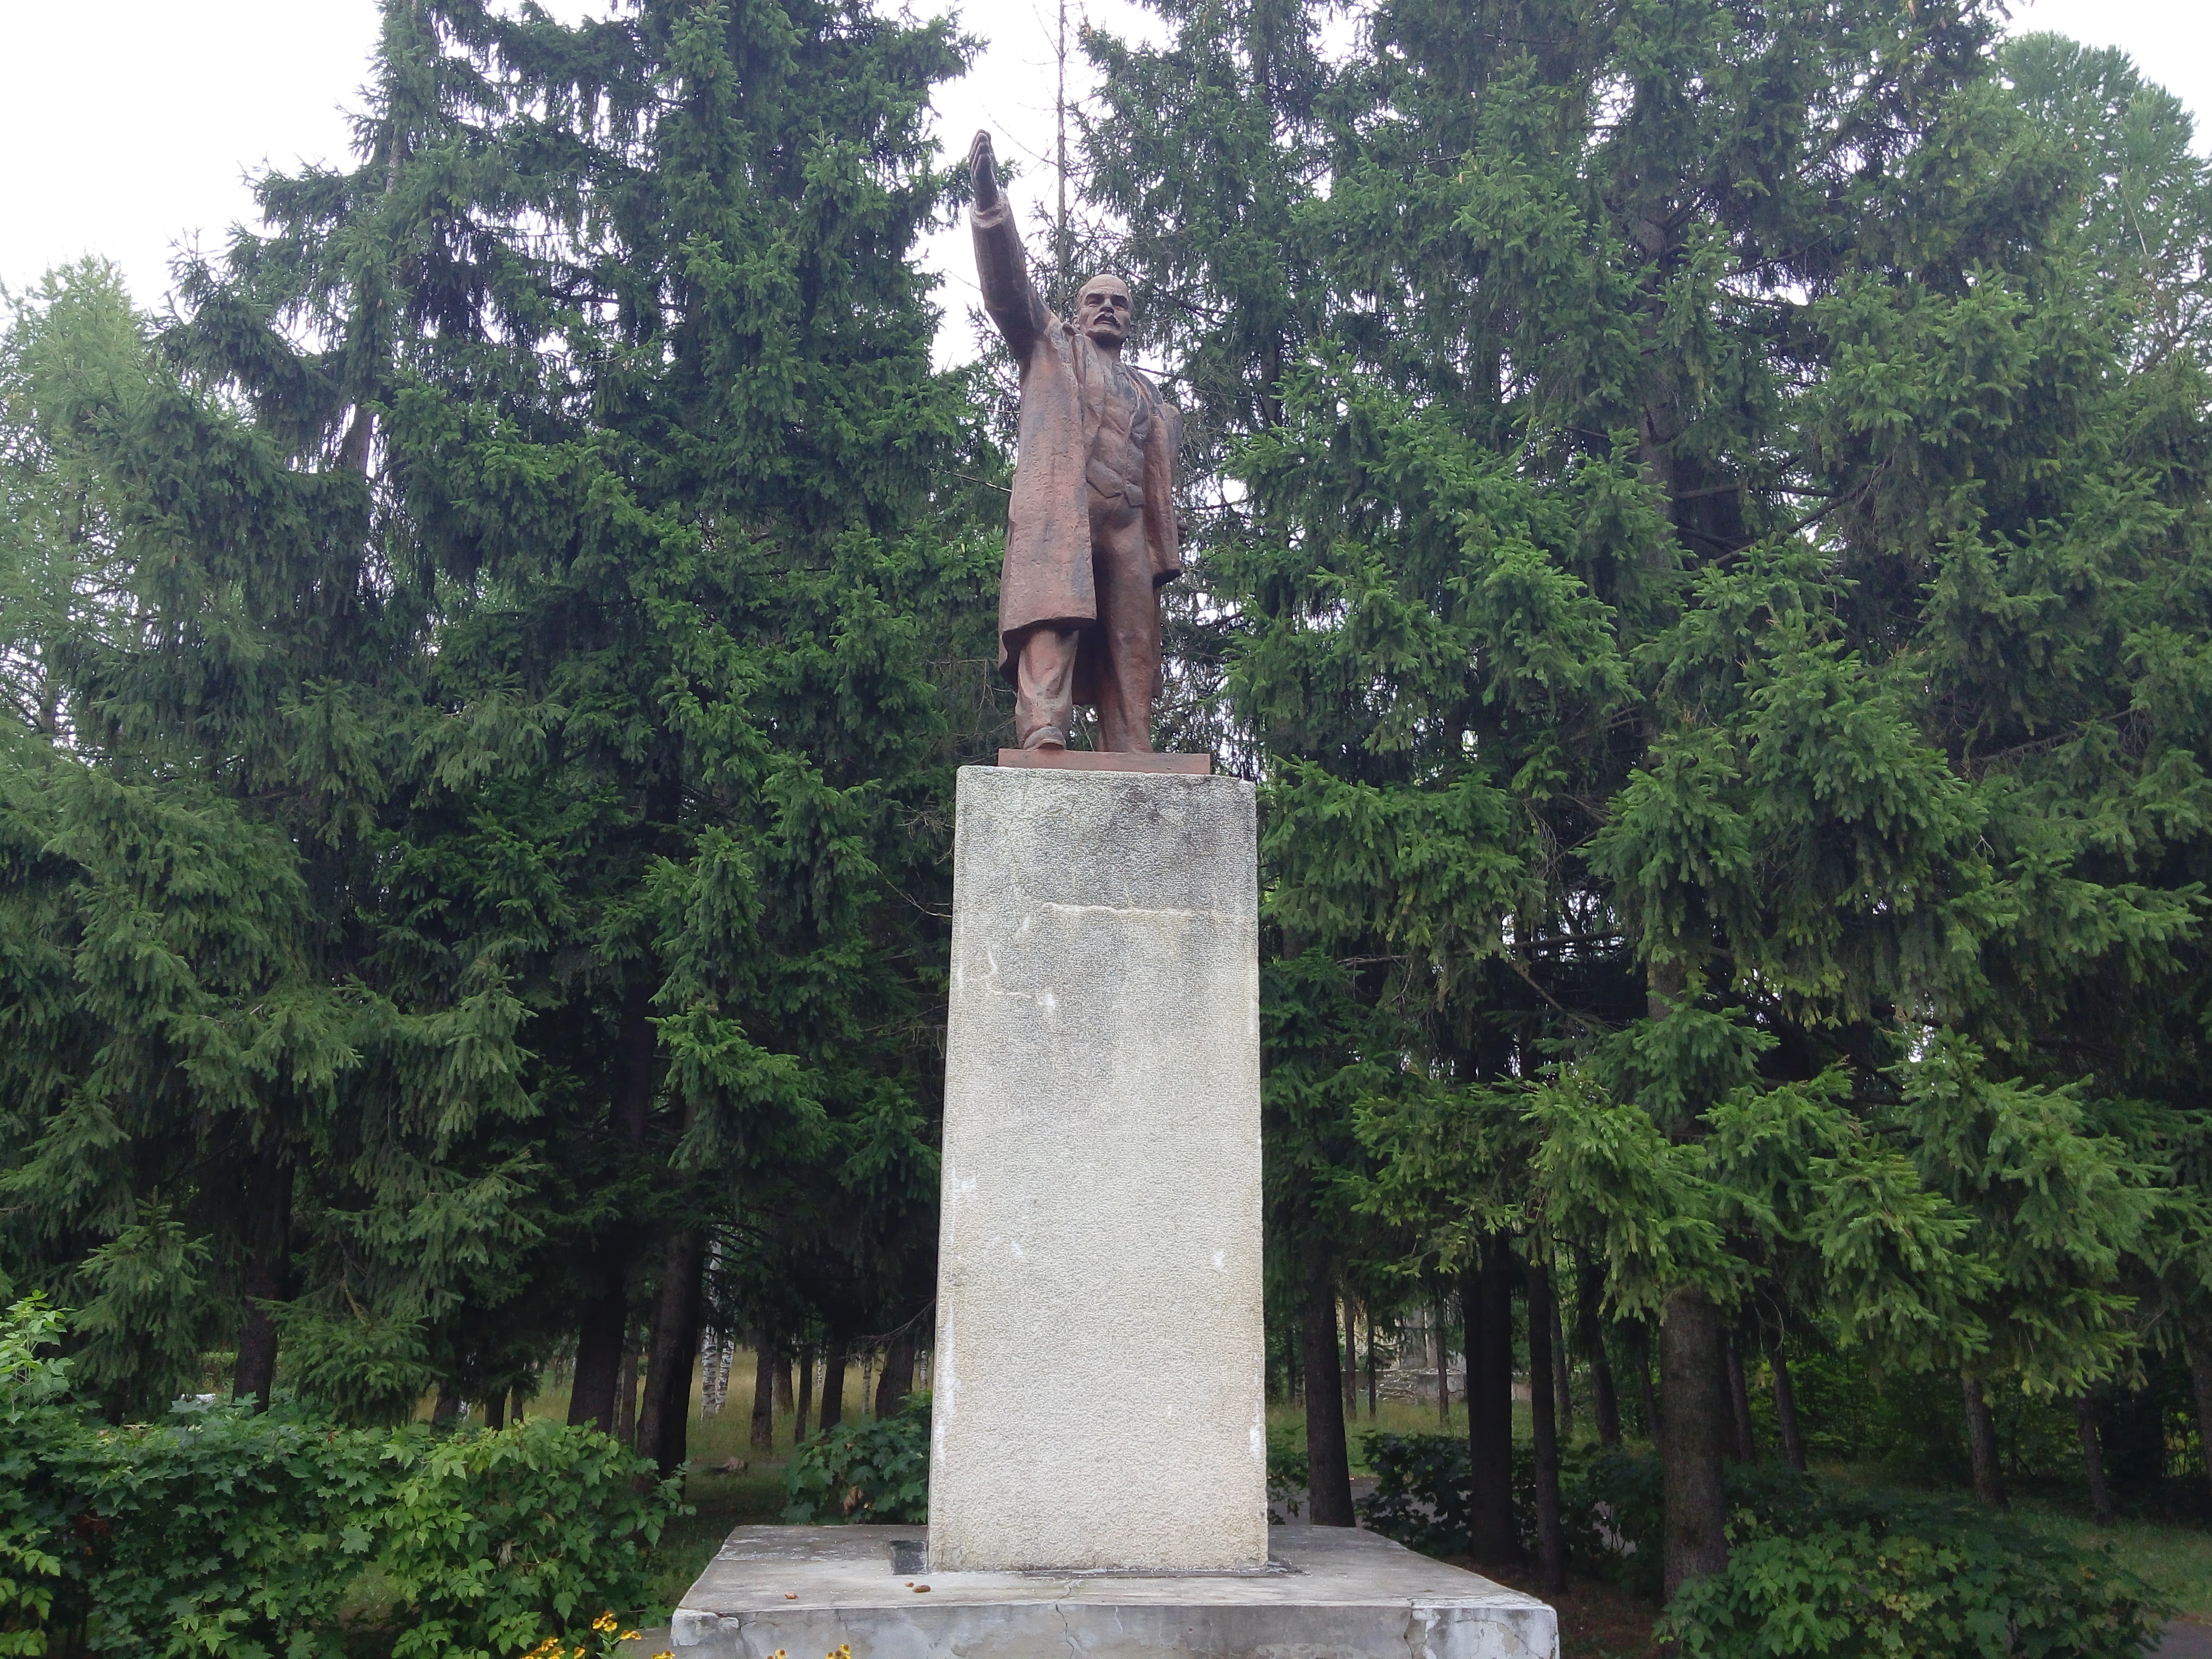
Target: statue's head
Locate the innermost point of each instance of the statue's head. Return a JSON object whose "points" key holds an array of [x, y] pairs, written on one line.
{"points": [[1102, 310]]}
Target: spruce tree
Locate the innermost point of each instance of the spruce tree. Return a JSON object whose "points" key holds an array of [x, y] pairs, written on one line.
{"points": [[1644, 611]]}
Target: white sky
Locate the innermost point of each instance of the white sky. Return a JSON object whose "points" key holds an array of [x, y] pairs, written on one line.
{"points": [[128, 126]]}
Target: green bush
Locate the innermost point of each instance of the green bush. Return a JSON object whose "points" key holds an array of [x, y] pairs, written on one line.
{"points": [[1289, 1470], [1610, 1509], [493, 1541], [32, 1515], [1612, 1502], [863, 1472], [1858, 1574], [225, 1533], [1867, 1592], [217, 1531], [1422, 1496], [1814, 1570]]}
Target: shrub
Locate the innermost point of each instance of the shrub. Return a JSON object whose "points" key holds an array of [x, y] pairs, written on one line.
{"points": [[1290, 1472], [1611, 1508], [224, 1533], [32, 1515], [863, 1472], [1860, 1574], [1422, 1498], [1864, 1592], [1814, 1570], [219, 1530], [494, 1540]]}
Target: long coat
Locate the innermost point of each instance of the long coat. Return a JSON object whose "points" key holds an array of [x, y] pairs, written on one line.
{"points": [[1046, 576]]}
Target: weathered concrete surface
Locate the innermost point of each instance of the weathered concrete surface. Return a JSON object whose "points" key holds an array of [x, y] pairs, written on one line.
{"points": [[1098, 1386], [807, 1590]]}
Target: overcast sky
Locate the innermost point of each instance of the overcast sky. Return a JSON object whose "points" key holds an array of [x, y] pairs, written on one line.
{"points": [[128, 126]]}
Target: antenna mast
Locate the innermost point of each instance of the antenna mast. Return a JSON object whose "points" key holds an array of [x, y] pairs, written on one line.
{"points": [[1062, 254]]}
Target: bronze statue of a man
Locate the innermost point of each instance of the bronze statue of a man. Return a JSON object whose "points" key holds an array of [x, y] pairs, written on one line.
{"points": [[1091, 533]]}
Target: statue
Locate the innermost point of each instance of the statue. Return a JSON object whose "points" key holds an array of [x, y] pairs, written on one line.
{"points": [[1091, 532]]}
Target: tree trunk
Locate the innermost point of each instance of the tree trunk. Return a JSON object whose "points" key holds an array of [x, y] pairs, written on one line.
{"points": [[1747, 1444], [800, 1418], [626, 1402], [764, 1381], [602, 1329], [1443, 1368], [1605, 1400], [268, 1267], [1329, 1497], [1488, 1300], [447, 1405], [2092, 1460], [2200, 1379], [599, 1345], [1639, 1345], [833, 1379], [899, 1375], [1547, 1359], [1370, 1368], [1785, 1406], [495, 1409], [1351, 1359], [1590, 1325], [1563, 1368], [665, 1423], [786, 1401], [1693, 1444], [1982, 1443]]}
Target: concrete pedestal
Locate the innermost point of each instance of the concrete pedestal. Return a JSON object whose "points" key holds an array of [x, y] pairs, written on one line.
{"points": [[1337, 1593], [1098, 1367]]}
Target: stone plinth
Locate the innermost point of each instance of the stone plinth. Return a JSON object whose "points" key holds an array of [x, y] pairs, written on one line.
{"points": [[1097, 1373], [805, 1591]]}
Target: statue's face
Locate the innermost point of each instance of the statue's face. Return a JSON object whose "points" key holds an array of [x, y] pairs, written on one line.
{"points": [[1102, 310]]}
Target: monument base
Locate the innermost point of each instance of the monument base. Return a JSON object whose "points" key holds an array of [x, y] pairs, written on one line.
{"points": [[1330, 1593]]}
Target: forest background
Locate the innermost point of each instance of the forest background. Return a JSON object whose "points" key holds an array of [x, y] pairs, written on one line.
{"points": [[1699, 533]]}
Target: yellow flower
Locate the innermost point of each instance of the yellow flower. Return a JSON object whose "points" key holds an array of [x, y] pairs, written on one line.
{"points": [[606, 1622], [629, 1636]]}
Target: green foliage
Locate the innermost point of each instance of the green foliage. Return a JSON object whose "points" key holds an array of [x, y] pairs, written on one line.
{"points": [[492, 1542], [1420, 1497], [221, 1530], [1711, 586], [1713, 590], [1290, 1471], [1977, 1592], [872, 1471], [33, 1414], [1424, 1496], [1816, 1568]]}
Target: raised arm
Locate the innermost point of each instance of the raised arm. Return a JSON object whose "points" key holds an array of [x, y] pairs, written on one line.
{"points": [[1002, 269]]}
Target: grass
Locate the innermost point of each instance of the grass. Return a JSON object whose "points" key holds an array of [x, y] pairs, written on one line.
{"points": [[2174, 1560]]}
